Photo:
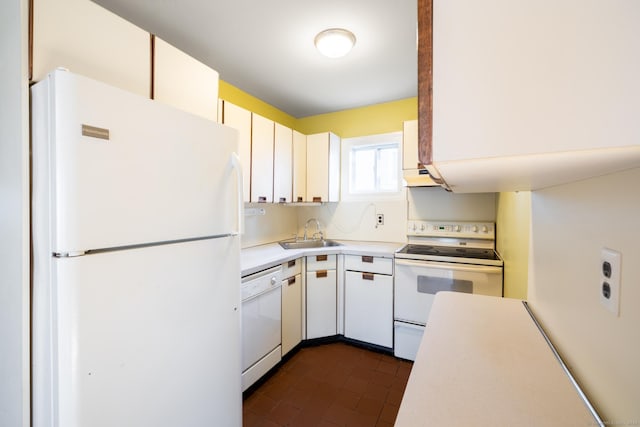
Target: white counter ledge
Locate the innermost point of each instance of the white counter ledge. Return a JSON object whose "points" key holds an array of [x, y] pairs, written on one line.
{"points": [[483, 362], [258, 258]]}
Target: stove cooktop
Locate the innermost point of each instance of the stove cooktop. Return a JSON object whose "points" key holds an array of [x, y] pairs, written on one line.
{"points": [[467, 255], [447, 251]]}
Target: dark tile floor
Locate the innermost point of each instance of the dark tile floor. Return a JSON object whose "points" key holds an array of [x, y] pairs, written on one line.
{"points": [[330, 385]]}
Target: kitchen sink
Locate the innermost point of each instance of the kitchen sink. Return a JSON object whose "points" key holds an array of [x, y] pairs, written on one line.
{"points": [[307, 244]]}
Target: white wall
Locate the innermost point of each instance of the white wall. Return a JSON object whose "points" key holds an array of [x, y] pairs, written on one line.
{"points": [[570, 225], [356, 220], [435, 203], [14, 216], [278, 223]]}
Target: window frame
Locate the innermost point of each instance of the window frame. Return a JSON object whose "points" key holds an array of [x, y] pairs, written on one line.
{"points": [[377, 140]]}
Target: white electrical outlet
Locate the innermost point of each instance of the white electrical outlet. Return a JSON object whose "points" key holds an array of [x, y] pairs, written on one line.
{"points": [[609, 285], [379, 219]]}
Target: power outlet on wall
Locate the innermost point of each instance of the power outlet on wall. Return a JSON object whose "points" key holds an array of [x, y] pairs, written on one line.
{"points": [[609, 284], [379, 219]]}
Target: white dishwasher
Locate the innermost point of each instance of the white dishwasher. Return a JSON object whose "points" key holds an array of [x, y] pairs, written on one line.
{"points": [[261, 323]]}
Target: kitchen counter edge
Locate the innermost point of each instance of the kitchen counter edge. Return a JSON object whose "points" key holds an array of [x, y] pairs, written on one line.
{"points": [[258, 258]]}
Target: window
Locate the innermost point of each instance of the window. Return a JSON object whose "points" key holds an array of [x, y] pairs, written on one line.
{"points": [[374, 169], [371, 166]]}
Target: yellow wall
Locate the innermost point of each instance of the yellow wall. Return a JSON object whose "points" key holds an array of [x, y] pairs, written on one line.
{"points": [[369, 120], [249, 102], [513, 219]]}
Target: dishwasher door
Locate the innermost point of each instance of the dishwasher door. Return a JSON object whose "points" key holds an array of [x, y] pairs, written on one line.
{"points": [[261, 324], [261, 318]]}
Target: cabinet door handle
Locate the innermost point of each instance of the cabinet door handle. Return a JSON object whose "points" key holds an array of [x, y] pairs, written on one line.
{"points": [[317, 199], [321, 257], [291, 280], [262, 199], [367, 276], [300, 199], [368, 259], [291, 264], [321, 273]]}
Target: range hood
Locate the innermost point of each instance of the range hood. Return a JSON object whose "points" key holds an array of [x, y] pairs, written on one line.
{"points": [[418, 178]]}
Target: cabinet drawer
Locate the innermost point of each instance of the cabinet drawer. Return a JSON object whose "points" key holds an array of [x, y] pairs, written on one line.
{"points": [[369, 264], [291, 268], [321, 262]]}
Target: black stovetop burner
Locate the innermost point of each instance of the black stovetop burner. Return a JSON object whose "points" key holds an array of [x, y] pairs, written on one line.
{"points": [[450, 251]]}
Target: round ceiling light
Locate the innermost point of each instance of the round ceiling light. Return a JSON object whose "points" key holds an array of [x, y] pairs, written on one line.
{"points": [[335, 42]]}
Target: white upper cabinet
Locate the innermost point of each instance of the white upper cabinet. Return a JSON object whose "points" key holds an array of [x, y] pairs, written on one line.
{"points": [[184, 82], [262, 133], [89, 40], [240, 119], [282, 164], [532, 94], [323, 167], [299, 167]]}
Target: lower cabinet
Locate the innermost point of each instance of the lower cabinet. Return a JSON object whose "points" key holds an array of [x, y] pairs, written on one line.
{"points": [[368, 308], [292, 321], [291, 312], [321, 281], [310, 299]]}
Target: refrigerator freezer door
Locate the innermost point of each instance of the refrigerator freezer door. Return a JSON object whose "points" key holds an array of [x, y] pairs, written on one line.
{"points": [[140, 337], [113, 169]]}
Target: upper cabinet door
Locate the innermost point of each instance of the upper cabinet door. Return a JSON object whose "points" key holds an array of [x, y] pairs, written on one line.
{"points": [[89, 40], [549, 102], [299, 167], [318, 167], [262, 133], [184, 82], [240, 119], [282, 164], [334, 167], [323, 167]]}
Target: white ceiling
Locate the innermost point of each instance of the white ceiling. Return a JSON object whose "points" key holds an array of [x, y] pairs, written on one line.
{"points": [[266, 47]]}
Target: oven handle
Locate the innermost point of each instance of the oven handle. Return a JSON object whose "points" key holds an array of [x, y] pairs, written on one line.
{"points": [[450, 266]]}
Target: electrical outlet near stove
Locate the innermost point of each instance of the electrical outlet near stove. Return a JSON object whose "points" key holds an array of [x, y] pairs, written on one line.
{"points": [[609, 284], [379, 219]]}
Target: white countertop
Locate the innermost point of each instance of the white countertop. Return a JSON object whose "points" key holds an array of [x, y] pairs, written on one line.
{"points": [[261, 257], [483, 362]]}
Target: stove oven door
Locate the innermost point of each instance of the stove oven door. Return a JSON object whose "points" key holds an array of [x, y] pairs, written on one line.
{"points": [[417, 282]]}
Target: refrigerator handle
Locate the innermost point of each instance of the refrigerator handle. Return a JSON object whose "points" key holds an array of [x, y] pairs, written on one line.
{"points": [[235, 164]]}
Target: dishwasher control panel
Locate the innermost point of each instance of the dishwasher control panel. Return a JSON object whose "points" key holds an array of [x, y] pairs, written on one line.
{"points": [[263, 281]]}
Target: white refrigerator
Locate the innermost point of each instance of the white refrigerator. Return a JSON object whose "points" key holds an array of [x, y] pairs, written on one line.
{"points": [[136, 213]]}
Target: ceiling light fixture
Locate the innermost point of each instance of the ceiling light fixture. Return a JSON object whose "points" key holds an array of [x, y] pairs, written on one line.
{"points": [[335, 42]]}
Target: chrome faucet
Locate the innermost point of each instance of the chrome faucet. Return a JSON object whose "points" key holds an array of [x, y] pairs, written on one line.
{"points": [[318, 231]]}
